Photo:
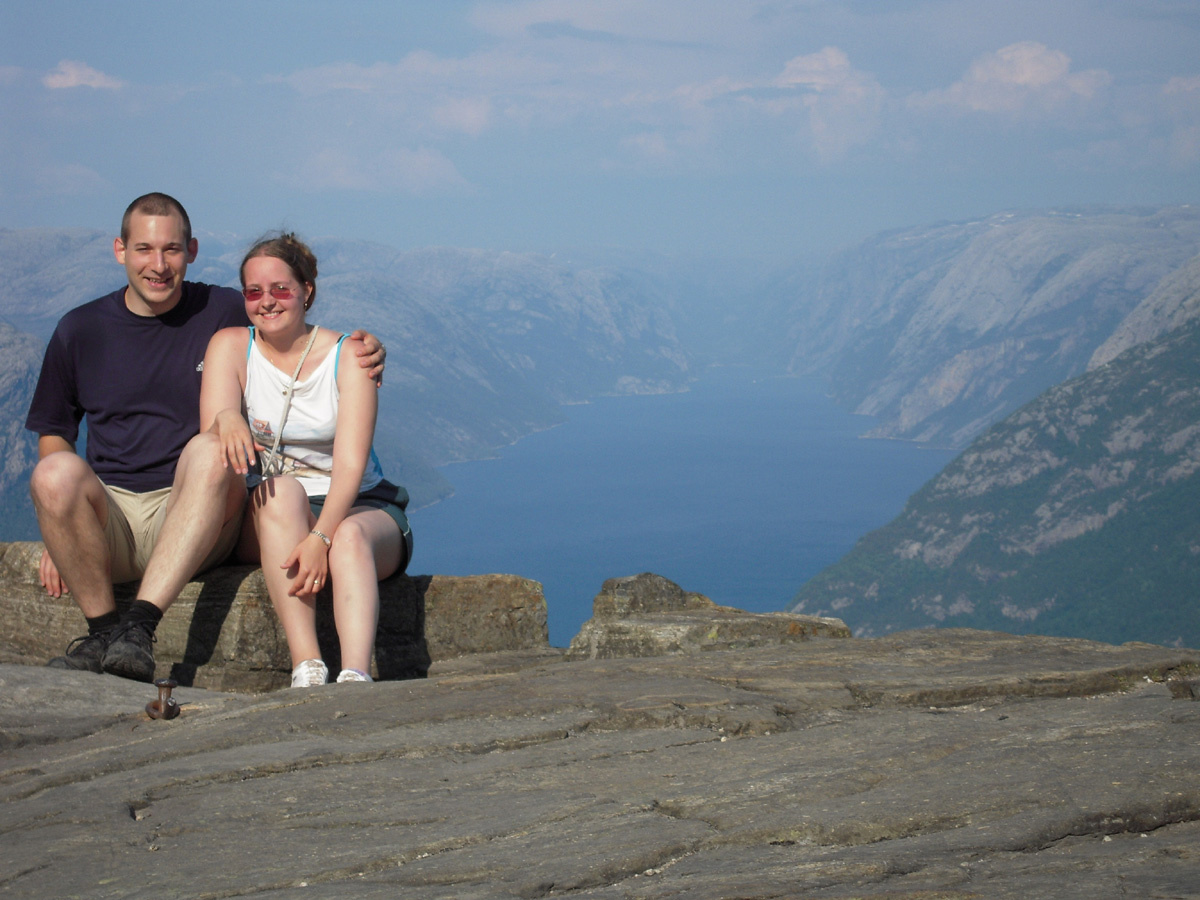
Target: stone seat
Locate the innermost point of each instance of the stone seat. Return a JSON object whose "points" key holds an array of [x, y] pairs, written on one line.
{"points": [[222, 633]]}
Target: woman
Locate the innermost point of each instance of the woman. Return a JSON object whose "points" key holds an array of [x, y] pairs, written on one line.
{"points": [[320, 507]]}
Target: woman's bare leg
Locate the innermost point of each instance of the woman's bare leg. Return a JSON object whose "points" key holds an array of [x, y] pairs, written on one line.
{"points": [[366, 547], [282, 519]]}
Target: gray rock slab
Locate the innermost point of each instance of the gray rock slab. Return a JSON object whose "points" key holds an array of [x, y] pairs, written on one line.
{"points": [[928, 764], [222, 632]]}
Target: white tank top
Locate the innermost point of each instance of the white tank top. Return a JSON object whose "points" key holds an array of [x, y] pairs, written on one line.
{"points": [[306, 448]]}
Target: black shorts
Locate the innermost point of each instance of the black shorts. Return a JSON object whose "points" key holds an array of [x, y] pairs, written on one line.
{"points": [[388, 497]]}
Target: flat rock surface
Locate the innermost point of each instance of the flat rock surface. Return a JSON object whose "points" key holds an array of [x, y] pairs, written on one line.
{"points": [[933, 764]]}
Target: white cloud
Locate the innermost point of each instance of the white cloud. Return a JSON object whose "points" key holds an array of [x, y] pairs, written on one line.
{"points": [[72, 74], [419, 171], [828, 69], [831, 104], [842, 104], [665, 82], [644, 90], [1022, 77]]}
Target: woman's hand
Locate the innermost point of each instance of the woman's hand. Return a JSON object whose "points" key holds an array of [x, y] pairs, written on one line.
{"points": [[237, 444], [310, 559]]}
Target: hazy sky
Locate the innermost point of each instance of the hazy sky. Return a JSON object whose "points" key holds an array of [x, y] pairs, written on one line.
{"points": [[715, 126]]}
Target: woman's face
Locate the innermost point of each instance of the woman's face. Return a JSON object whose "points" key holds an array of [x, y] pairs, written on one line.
{"points": [[275, 300]]}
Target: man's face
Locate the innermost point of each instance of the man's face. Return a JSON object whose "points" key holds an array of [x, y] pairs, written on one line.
{"points": [[155, 258]]}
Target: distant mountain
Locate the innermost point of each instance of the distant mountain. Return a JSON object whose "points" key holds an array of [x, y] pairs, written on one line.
{"points": [[940, 331], [1077, 515], [483, 347], [46, 271]]}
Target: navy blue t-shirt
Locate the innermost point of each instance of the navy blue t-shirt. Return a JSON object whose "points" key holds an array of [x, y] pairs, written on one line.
{"points": [[136, 378]]}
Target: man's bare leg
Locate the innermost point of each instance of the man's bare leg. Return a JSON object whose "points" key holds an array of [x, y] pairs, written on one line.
{"points": [[204, 496], [72, 511]]}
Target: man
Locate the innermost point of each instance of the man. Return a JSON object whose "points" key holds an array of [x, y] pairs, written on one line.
{"points": [[154, 499]]}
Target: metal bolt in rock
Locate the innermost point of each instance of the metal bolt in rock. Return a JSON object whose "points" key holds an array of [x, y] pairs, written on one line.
{"points": [[166, 706]]}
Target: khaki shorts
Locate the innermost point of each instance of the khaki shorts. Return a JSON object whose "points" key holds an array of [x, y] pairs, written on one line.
{"points": [[134, 523]]}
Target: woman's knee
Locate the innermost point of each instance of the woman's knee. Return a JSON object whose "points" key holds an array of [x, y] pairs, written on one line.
{"points": [[351, 544], [367, 539], [280, 499]]}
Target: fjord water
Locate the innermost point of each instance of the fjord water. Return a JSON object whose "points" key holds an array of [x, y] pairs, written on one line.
{"points": [[742, 489]]}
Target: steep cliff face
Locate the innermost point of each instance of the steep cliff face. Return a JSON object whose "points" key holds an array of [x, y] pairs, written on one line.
{"points": [[1175, 302], [1079, 514], [941, 331]]}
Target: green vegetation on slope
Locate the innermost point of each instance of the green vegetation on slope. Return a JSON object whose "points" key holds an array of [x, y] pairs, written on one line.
{"points": [[1078, 515]]}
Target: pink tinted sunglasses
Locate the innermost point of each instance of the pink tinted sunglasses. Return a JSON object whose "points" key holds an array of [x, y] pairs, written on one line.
{"points": [[278, 291]]}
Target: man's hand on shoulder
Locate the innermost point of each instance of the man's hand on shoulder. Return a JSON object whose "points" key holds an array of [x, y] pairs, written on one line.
{"points": [[371, 354]]}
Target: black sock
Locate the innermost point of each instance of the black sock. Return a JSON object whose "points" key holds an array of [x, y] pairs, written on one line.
{"points": [[142, 612], [97, 624]]}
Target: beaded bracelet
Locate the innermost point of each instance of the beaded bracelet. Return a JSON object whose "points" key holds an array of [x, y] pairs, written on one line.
{"points": [[323, 537]]}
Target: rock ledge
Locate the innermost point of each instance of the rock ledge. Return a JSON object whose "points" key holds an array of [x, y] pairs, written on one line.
{"points": [[648, 615]]}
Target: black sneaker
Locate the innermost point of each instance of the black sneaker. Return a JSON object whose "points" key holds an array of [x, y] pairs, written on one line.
{"points": [[129, 653], [84, 654]]}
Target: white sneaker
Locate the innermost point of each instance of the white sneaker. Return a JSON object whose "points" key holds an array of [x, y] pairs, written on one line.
{"points": [[353, 675], [310, 673]]}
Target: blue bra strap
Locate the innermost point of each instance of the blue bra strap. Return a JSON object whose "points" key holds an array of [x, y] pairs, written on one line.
{"points": [[337, 360]]}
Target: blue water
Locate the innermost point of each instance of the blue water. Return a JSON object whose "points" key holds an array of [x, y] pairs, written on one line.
{"points": [[741, 489]]}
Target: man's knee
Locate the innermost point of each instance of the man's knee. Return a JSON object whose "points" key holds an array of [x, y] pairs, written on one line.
{"points": [[201, 462], [58, 480], [202, 451]]}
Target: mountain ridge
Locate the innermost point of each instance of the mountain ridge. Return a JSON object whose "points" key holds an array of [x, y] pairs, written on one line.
{"points": [[939, 331]]}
